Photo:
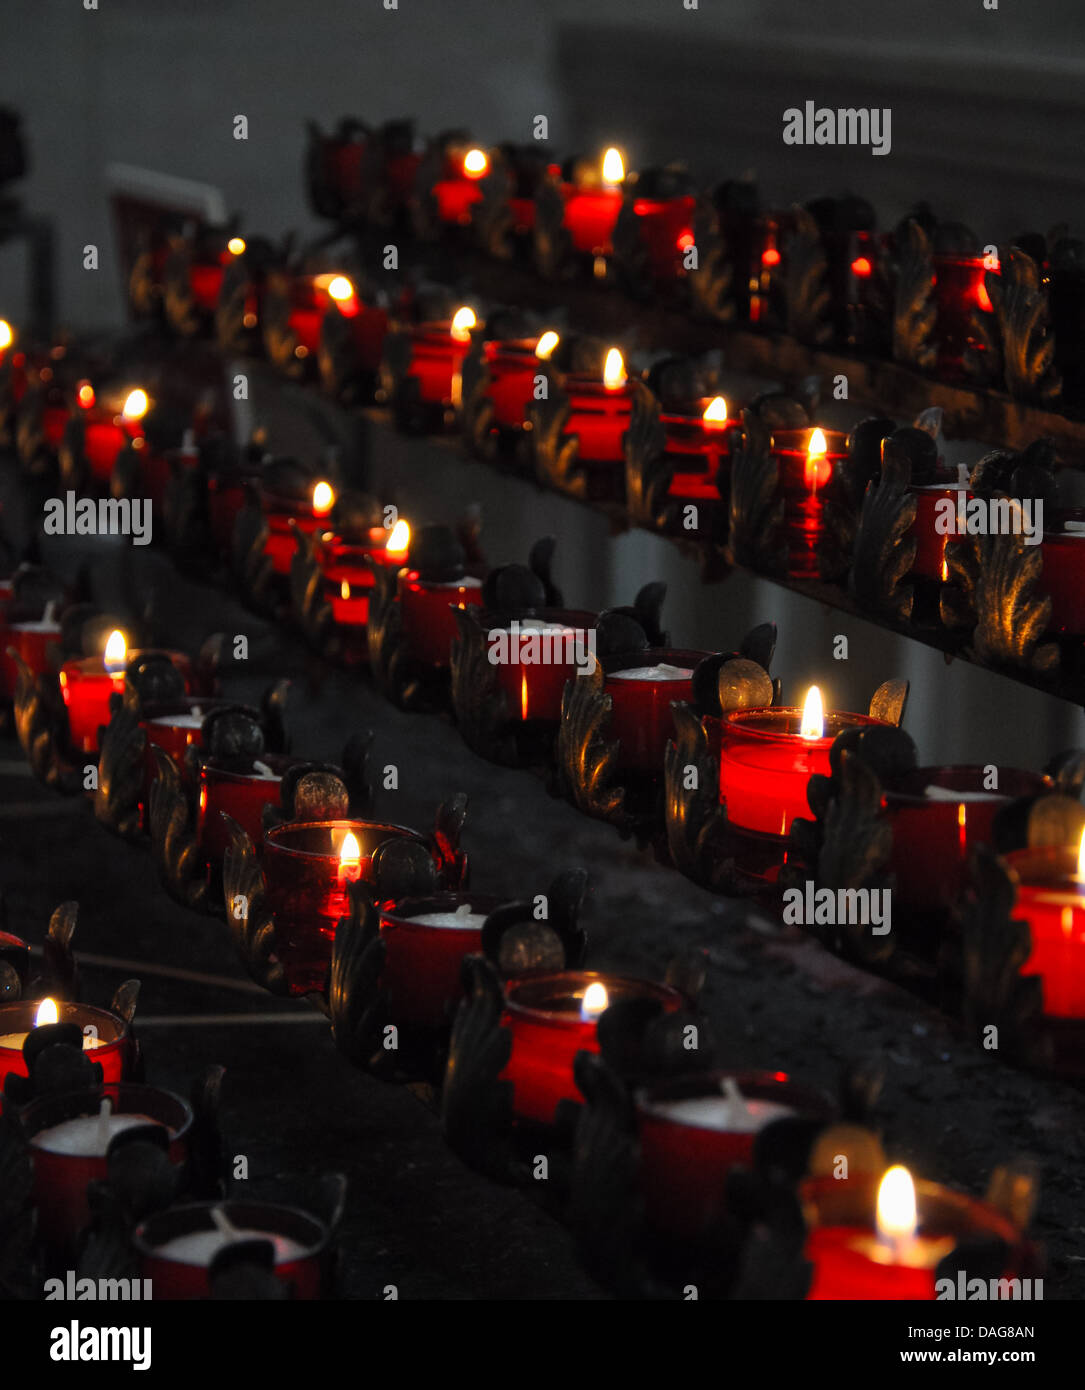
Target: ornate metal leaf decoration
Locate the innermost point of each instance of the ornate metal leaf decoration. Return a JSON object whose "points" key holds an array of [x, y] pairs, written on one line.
{"points": [[206, 1152], [120, 772], [806, 289], [889, 700], [551, 243], [914, 309], [41, 723], [586, 760], [994, 948], [479, 702], [694, 818], [710, 285], [555, 453], [180, 862], [280, 340], [743, 684], [992, 583], [384, 634], [756, 509], [629, 251], [230, 330], [884, 548], [250, 562], [491, 217], [177, 299], [307, 598], [648, 472], [1017, 339], [476, 1108], [247, 914], [355, 1000], [60, 973], [477, 407], [448, 823]]}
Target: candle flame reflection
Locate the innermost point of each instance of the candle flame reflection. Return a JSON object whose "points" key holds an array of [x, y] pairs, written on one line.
{"points": [[1081, 859], [116, 651], [595, 1001], [47, 1013], [614, 370], [350, 852], [896, 1214], [813, 715]]}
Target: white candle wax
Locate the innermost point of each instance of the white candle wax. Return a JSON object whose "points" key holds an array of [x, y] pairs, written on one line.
{"points": [[462, 919], [87, 1136], [201, 1247], [191, 720], [16, 1040], [721, 1113], [662, 672], [265, 773], [947, 794], [42, 626], [541, 625], [467, 582]]}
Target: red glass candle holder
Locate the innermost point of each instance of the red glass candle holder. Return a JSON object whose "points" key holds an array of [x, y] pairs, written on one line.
{"points": [[599, 417], [425, 941], [348, 570], [105, 1036], [428, 625], [1063, 576], [939, 831], [86, 687], [562, 638], [960, 288], [1051, 899], [227, 492], [544, 1015], [69, 1141], [691, 1137], [765, 764], [306, 888], [176, 1247], [283, 513], [930, 542], [642, 687], [590, 217], [666, 231], [175, 726], [437, 354], [240, 795], [513, 366], [35, 643], [699, 452], [851, 1263], [803, 478]]}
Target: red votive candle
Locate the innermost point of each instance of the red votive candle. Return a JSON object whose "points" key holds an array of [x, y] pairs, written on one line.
{"points": [[861, 1249], [513, 366], [699, 450], [308, 867], [87, 685], [642, 687], [938, 814], [348, 566], [806, 459], [437, 353], [665, 230], [1063, 576], [33, 642], [69, 1137], [552, 1018], [536, 654], [930, 542], [600, 412], [593, 204], [426, 611], [308, 513], [426, 940], [766, 762], [240, 795], [105, 1036], [694, 1130], [176, 1247], [1051, 899], [960, 287]]}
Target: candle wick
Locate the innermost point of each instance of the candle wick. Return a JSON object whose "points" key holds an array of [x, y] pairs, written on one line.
{"points": [[50, 612], [735, 1099], [223, 1224], [104, 1112]]}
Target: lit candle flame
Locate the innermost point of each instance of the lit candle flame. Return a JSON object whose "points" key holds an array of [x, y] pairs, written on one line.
{"points": [[85, 395], [236, 246], [463, 320], [1081, 859], [350, 851], [945, 568], [595, 1000], [614, 370], [613, 166], [715, 411], [116, 651], [896, 1214], [817, 469], [47, 1013], [136, 405], [323, 498], [546, 344], [340, 288], [7, 336], [344, 590], [399, 538], [813, 715], [475, 163], [523, 694]]}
